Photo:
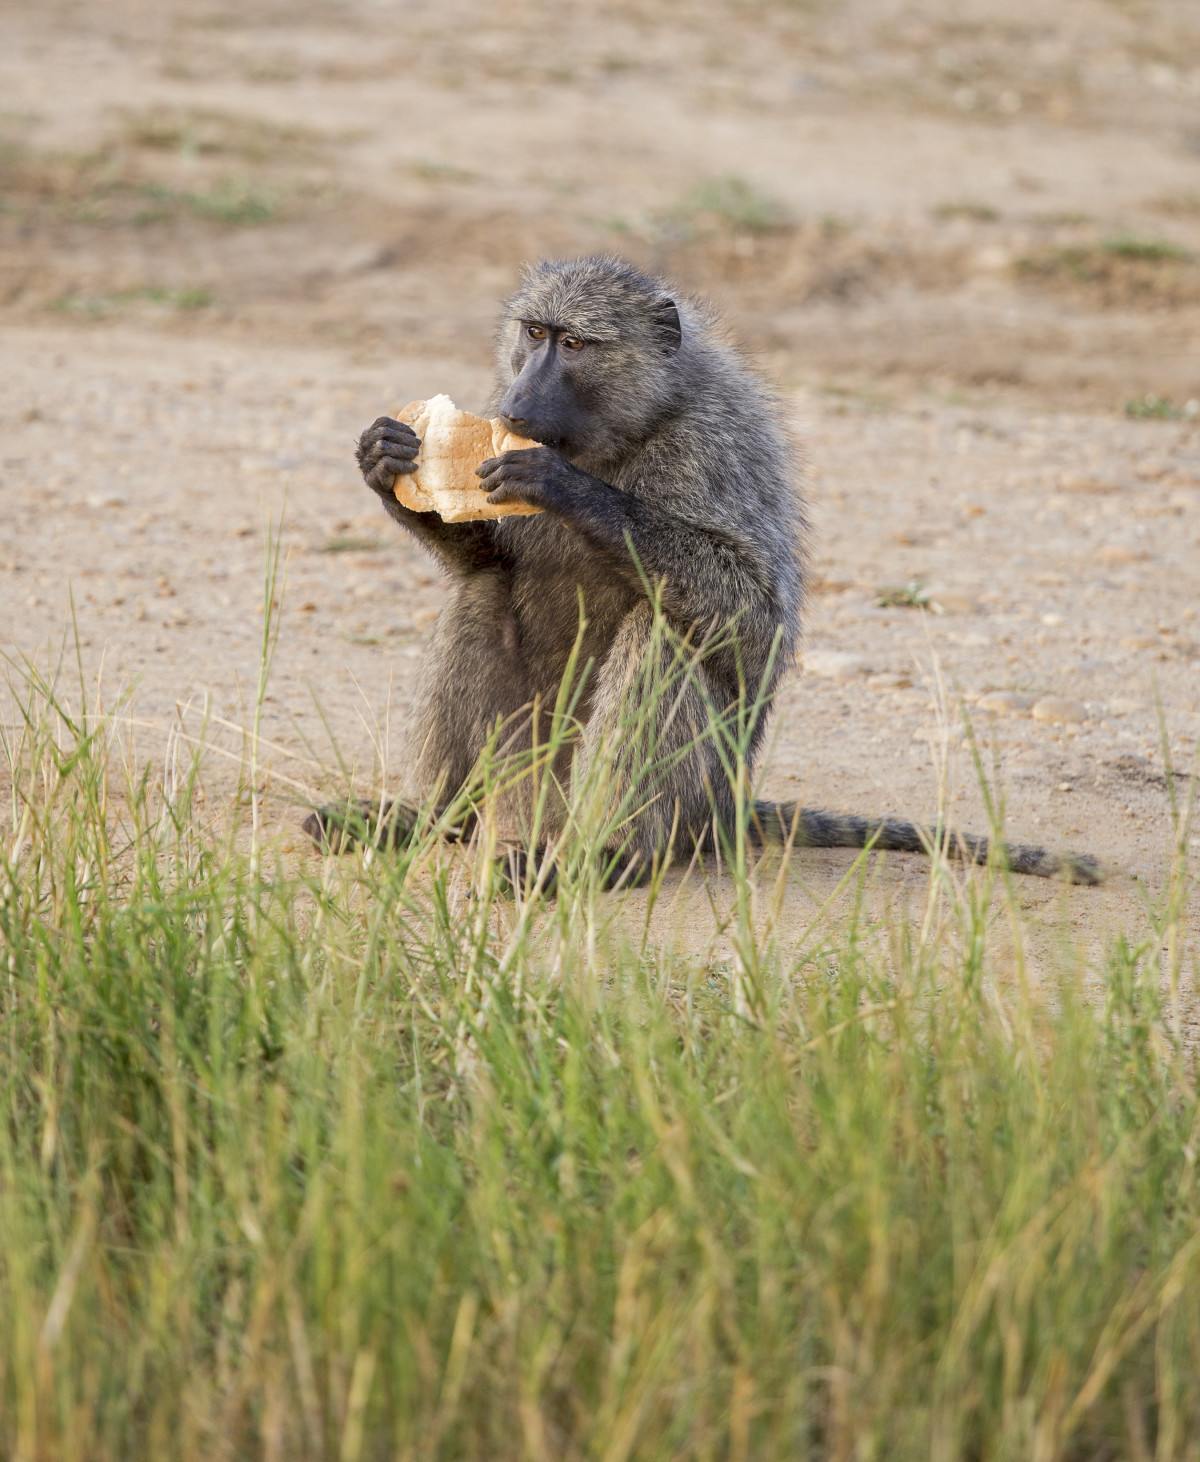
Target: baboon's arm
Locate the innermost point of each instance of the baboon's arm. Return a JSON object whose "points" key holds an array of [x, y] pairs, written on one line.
{"points": [[705, 573], [463, 548]]}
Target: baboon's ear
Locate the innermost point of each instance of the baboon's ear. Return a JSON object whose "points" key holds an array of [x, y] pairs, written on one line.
{"points": [[665, 318]]}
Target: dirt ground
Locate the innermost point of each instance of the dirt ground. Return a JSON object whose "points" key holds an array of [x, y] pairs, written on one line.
{"points": [[961, 239]]}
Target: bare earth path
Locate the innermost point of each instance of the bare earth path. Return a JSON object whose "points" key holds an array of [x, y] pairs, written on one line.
{"points": [[235, 239]]}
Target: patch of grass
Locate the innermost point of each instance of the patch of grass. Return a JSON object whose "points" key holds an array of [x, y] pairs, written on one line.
{"points": [[912, 595], [859, 398], [973, 212], [186, 297], [363, 1158], [1060, 218], [200, 131], [1120, 271], [101, 188], [234, 202], [1151, 251], [443, 172], [728, 204], [1160, 408], [349, 543]]}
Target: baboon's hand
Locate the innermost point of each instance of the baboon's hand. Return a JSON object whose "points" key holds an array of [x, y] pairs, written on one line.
{"points": [[539, 476], [385, 450]]}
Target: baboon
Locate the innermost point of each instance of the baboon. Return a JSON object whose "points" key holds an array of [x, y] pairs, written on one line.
{"points": [[663, 471]]}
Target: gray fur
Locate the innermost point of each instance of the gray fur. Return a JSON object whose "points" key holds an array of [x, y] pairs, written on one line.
{"points": [[663, 441]]}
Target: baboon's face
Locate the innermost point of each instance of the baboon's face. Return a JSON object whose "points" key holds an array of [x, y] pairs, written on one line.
{"points": [[554, 390], [591, 392]]}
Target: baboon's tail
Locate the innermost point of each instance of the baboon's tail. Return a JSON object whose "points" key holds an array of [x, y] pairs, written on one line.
{"points": [[776, 822]]}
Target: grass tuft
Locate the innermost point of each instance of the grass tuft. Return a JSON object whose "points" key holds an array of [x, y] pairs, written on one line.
{"points": [[972, 211], [99, 306], [233, 202], [1152, 251], [912, 595], [349, 543], [729, 204], [206, 131], [1160, 408], [1119, 271]]}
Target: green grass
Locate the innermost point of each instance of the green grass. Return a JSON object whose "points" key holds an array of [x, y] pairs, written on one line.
{"points": [[205, 131], [912, 595], [349, 543], [1153, 251], [360, 1159], [1160, 408], [972, 211], [1123, 264], [442, 172], [730, 203], [186, 297], [234, 202]]}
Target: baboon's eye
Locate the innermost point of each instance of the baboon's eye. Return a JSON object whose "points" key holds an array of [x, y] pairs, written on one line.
{"points": [[535, 332], [572, 342]]}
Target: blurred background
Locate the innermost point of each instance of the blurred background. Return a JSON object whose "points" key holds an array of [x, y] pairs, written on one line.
{"points": [[960, 237], [981, 195]]}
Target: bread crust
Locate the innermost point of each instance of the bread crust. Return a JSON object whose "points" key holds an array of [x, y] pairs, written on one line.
{"points": [[453, 444]]}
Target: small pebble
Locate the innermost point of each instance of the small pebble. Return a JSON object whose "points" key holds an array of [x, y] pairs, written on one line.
{"points": [[1006, 702], [834, 664], [1139, 642], [1059, 710], [1118, 553]]}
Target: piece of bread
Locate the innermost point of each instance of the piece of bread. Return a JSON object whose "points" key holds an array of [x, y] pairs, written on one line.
{"points": [[453, 444]]}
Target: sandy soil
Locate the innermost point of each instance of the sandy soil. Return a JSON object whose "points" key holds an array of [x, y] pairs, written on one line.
{"points": [[960, 239]]}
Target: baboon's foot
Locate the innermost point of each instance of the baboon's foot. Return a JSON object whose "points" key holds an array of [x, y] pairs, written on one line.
{"points": [[520, 869], [340, 826], [624, 870]]}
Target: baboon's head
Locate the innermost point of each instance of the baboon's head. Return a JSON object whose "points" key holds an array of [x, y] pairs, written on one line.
{"points": [[590, 349]]}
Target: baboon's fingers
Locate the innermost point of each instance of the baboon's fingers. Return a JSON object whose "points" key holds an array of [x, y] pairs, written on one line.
{"points": [[512, 492], [388, 435], [389, 426], [401, 434], [506, 479], [382, 479], [390, 466], [406, 447], [508, 466], [387, 447]]}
